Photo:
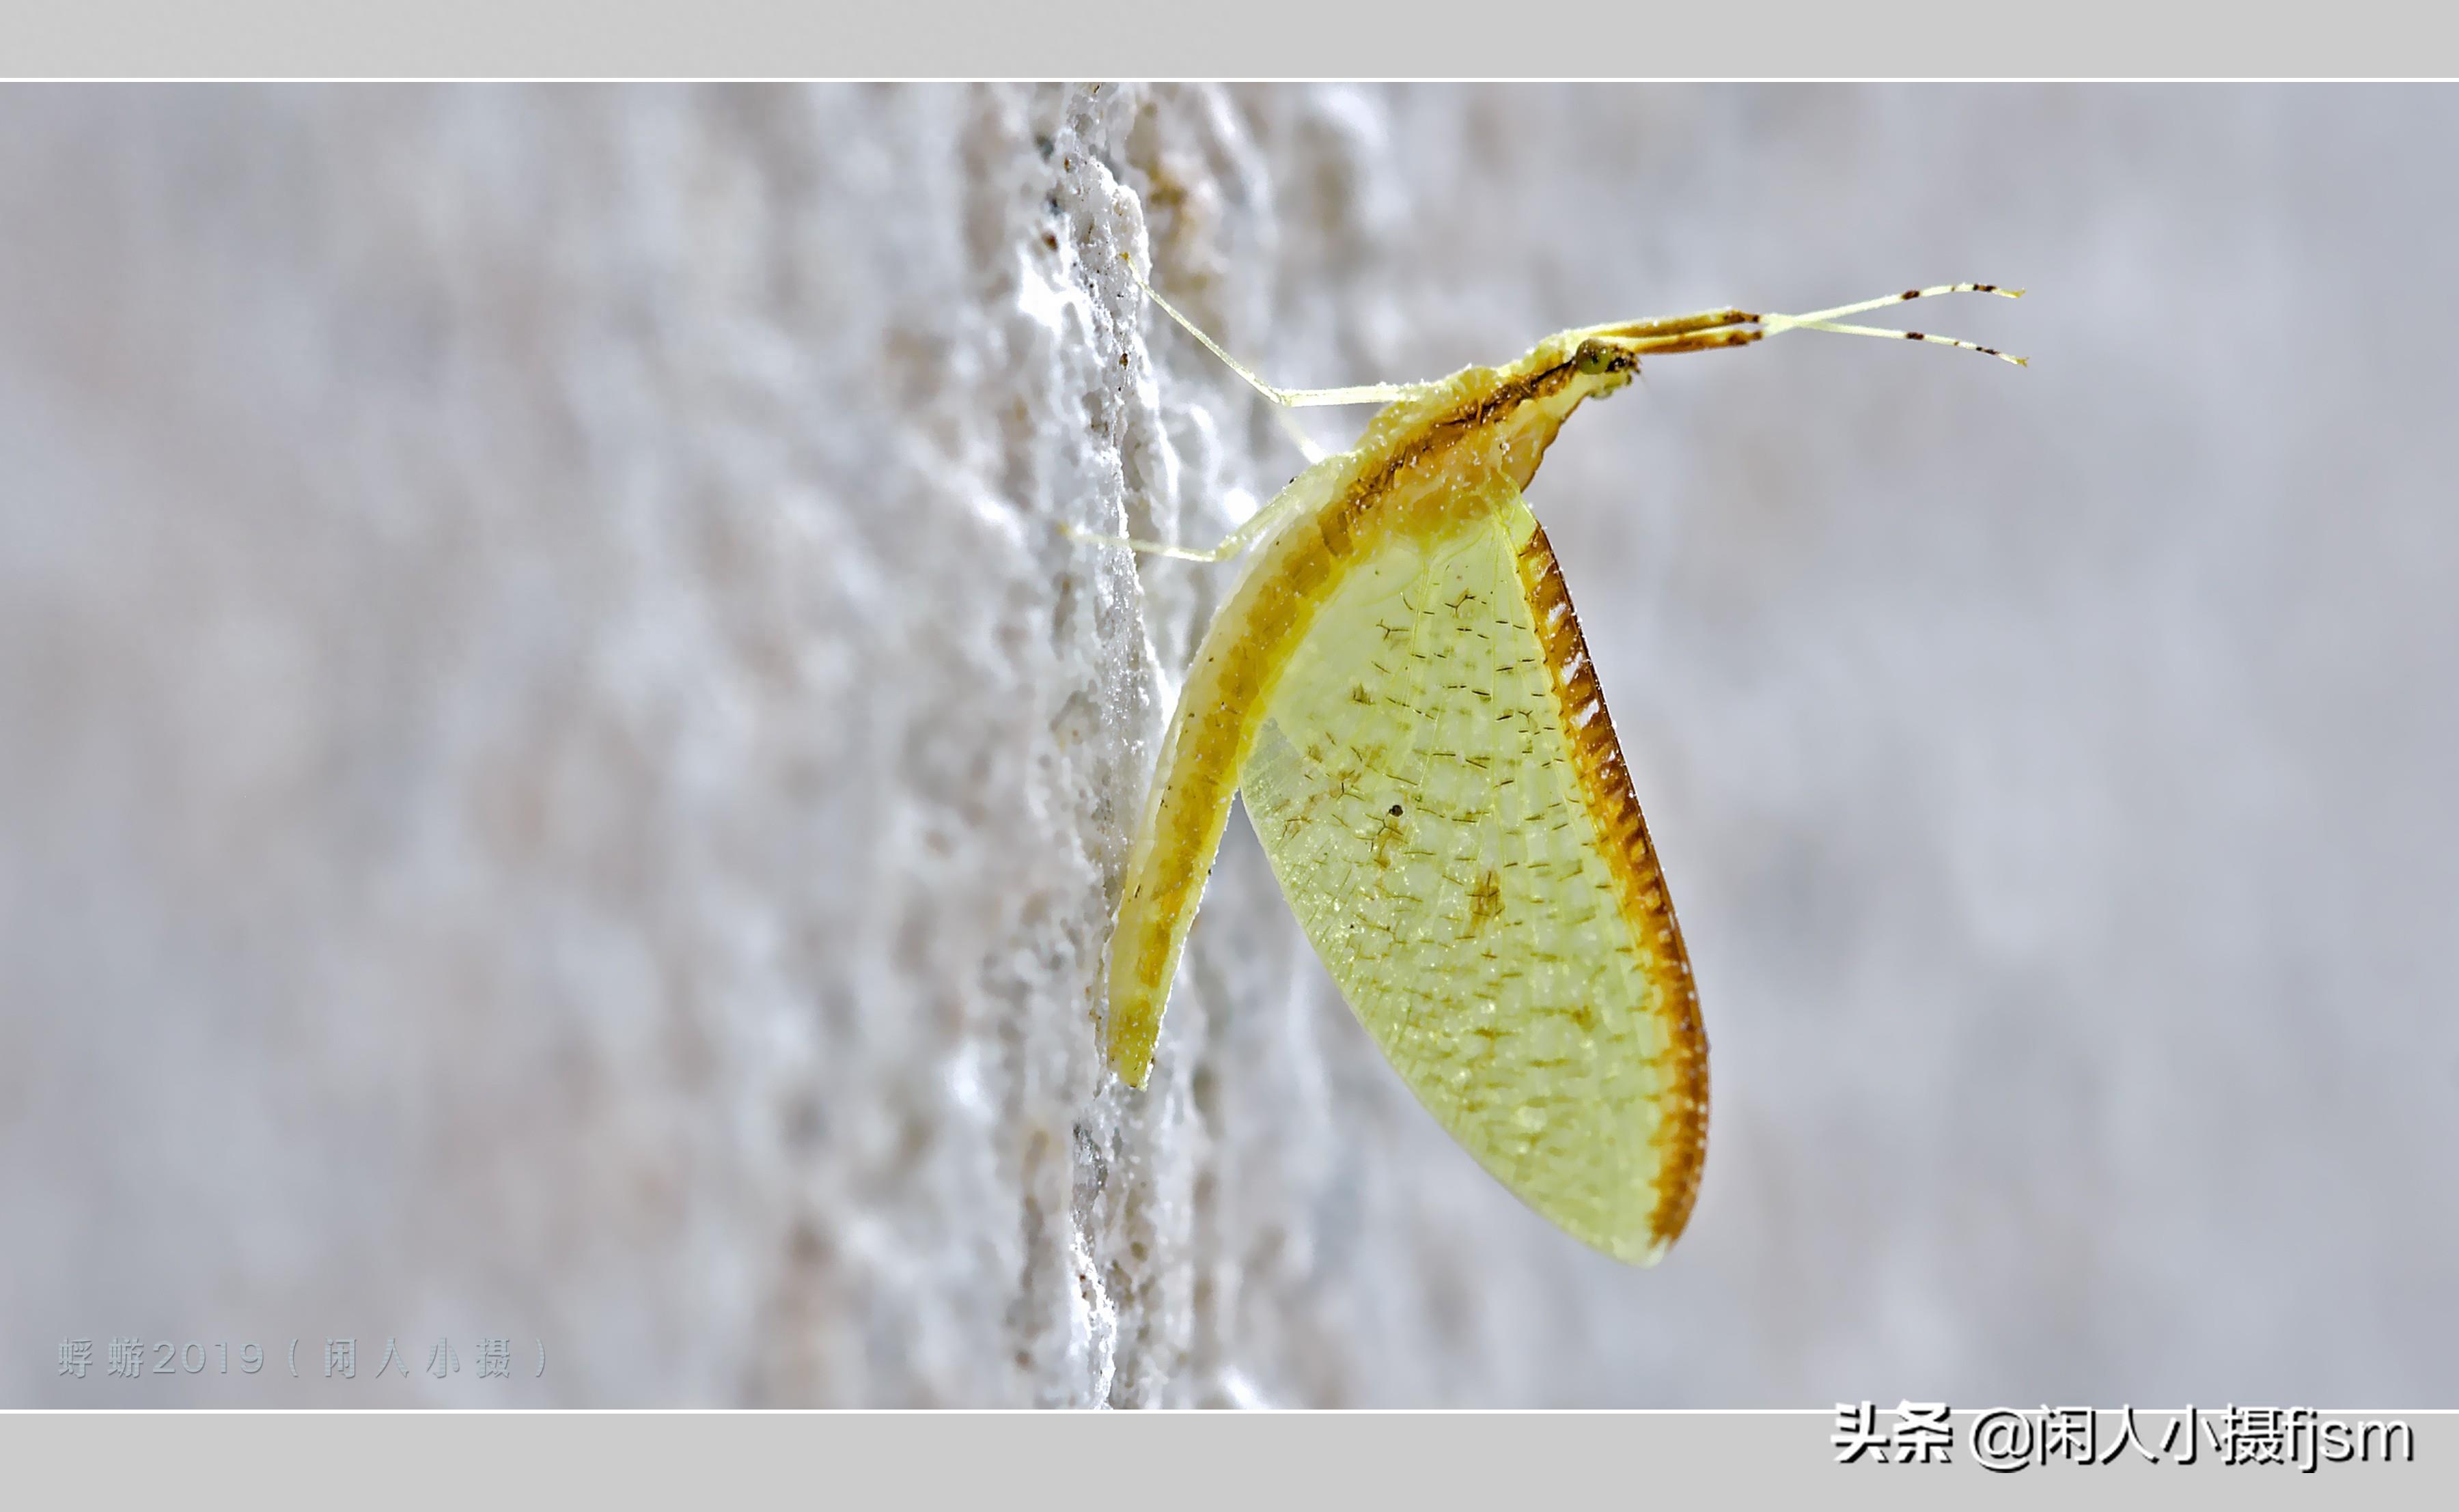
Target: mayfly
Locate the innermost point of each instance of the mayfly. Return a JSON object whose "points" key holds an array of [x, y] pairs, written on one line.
{"points": [[1398, 688]]}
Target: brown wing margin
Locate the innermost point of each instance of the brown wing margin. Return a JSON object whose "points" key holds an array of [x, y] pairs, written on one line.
{"points": [[1639, 884]]}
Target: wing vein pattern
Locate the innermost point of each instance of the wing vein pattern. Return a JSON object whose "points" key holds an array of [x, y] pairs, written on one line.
{"points": [[1421, 786]]}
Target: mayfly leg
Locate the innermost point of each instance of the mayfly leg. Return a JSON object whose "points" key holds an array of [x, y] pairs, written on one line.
{"points": [[1709, 329], [1828, 320], [1260, 524], [1266, 520], [1287, 398], [1308, 445]]}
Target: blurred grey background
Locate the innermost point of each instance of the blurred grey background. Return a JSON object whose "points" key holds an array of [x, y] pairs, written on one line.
{"points": [[558, 782]]}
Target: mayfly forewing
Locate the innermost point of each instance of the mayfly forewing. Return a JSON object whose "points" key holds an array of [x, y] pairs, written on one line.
{"points": [[1505, 983]]}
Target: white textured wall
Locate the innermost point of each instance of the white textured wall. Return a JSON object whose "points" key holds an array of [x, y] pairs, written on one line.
{"points": [[557, 780]]}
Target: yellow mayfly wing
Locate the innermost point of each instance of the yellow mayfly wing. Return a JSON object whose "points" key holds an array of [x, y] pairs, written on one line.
{"points": [[1439, 788]]}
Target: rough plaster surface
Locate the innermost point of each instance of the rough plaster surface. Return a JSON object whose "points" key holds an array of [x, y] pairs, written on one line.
{"points": [[557, 780]]}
